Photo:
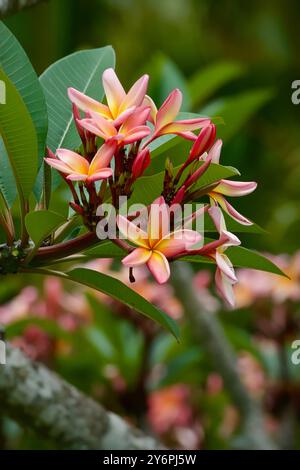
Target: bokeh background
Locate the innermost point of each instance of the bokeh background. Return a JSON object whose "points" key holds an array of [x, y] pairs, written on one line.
{"points": [[231, 59]]}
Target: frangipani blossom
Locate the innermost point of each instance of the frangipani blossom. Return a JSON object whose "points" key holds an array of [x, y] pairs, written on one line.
{"points": [[119, 104], [79, 169], [133, 128], [225, 276], [164, 118], [228, 188], [233, 189], [156, 245]]}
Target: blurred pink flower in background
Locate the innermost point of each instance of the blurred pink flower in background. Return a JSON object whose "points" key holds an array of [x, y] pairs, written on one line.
{"points": [[254, 285], [169, 407]]}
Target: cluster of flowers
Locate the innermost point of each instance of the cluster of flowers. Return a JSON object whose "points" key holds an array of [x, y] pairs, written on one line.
{"points": [[115, 150]]}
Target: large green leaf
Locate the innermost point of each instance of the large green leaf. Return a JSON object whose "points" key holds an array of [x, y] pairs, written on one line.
{"points": [[207, 81], [241, 258], [81, 70], [105, 249], [40, 224], [147, 188], [237, 110], [122, 293], [18, 68], [19, 137]]}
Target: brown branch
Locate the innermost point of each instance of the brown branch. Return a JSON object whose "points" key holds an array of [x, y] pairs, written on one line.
{"points": [[67, 248], [37, 398]]}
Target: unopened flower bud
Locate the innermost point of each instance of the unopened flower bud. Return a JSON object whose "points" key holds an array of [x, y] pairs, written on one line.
{"points": [[203, 143], [141, 162]]}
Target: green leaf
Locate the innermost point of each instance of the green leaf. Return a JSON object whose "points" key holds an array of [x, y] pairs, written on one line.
{"points": [[81, 70], [207, 81], [40, 224], [241, 258], [19, 137], [18, 68], [147, 188], [105, 249], [237, 110], [245, 258], [122, 293], [7, 179]]}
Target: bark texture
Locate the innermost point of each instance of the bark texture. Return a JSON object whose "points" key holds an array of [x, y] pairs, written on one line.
{"points": [[37, 398]]}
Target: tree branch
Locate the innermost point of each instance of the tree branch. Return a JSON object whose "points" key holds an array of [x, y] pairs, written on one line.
{"points": [[208, 331], [37, 398]]}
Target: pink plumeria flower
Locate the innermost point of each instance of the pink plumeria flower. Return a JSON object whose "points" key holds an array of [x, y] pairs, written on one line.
{"points": [[119, 104], [133, 128], [164, 118], [225, 276], [229, 188], [157, 245], [77, 168]]}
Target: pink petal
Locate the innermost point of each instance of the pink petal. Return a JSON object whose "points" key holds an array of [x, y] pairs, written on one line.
{"points": [[225, 265], [159, 267], [178, 242], [113, 90], [153, 109], [137, 118], [136, 94], [187, 135], [215, 151], [138, 133], [183, 126], [224, 287], [87, 104], [159, 220], [89, 125], [103, 157], [76, 177], [58, 165], [100, 175], [132, 232], [76, 162], [123, 116], [218, 218], [233, 212], [169, 109], [137, 257], [235, 188]]}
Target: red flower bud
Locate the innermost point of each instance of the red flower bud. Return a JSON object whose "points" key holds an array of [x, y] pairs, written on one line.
{"points": [[141, 162], [179, 195], [203, 142]]}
